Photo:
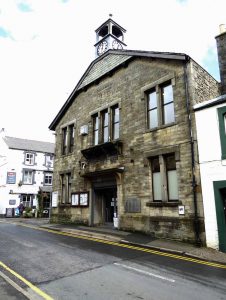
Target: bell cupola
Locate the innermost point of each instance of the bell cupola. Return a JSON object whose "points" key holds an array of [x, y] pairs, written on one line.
{"points": [[109, 35]]}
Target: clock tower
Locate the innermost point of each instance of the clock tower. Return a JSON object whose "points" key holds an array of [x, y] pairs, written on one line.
{"points": [[109, 35]]}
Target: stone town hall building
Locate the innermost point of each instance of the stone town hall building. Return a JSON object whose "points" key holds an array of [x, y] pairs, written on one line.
{"points": [[126, 141]]}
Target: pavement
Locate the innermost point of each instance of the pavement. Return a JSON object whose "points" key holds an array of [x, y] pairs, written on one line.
{"points": [[109, 233]]}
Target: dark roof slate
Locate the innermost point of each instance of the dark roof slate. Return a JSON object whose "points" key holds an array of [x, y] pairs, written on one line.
{"points": [[29, 145], [107, 64]]}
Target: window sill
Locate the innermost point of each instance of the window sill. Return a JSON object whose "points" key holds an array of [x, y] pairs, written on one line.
{"points": [[65, 205], [163, 204], [161, 127], [74, 206]]}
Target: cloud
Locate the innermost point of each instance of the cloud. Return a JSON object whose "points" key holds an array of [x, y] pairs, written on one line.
{"points": [[54, 44], [4, 33], [24, 7]]}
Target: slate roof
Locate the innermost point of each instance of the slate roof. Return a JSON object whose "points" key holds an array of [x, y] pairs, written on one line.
{"points": [[104, 65], [29, 145], [209, 103], [107, 64]]}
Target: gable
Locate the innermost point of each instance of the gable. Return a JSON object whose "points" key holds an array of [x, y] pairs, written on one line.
{"points": [[105, 64]]}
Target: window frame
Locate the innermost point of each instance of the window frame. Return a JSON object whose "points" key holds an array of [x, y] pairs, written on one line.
{"points": [[68, 138], [32, 158], [164, 105], [98, 124], [153, 90], [32, 176], [222, 130], [115, 123], [49, 162], [157, 86], [77, 196], [104, 113], [95, 133], [64, 140], [165, 192], [44, 180], [65, 187], [30, 202], [71, 138]]}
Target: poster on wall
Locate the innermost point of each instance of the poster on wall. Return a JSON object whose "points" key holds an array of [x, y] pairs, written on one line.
{"points": [[84, 199], [75, 199], [80, 199], [54, 199]]}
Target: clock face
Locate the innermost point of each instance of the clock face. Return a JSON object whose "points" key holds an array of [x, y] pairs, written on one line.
{"points": [[102, 47], [116, 45]]}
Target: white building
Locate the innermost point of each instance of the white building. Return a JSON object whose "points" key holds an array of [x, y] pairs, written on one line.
{"points": [[25, 167], [211, 136]]}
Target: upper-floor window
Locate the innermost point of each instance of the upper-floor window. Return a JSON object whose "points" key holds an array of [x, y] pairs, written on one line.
{"points": [[29, 158], [164, 178], [222, 130], [48, 178], [115, 122], [49, 160], [71, 137], [167, 104], [106, 127], [95, 129], [68, 139], [28, 176], [64, 140], [160, 106]]}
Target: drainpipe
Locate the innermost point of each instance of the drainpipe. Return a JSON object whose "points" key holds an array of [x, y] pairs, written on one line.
{"points": [[196, 218]]}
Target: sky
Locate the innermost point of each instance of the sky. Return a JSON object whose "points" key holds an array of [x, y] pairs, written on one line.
{"points": [[47, 45]]}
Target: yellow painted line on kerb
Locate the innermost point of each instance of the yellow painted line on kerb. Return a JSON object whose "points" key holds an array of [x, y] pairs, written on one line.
{"points": [[152, 251], [156, 252], [28, 283]]}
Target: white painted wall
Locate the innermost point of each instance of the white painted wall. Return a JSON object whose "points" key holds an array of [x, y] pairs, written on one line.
{"points": [[13, 161], [212, 168]]}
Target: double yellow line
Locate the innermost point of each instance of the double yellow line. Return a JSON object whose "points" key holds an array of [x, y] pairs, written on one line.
{"points": [[107, 242], [28, 283], [151, 251]]}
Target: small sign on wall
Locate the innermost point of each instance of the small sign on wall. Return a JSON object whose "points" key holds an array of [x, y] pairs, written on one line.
{"points": [[54, 199], [181, 210], [11, 178]]}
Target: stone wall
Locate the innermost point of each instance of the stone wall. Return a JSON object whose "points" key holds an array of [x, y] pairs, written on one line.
{"points": [[126, 87]]}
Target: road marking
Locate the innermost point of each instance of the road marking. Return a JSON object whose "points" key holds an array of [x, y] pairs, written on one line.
{"points": [[15, 285], [118, 244], [28, 283], [144, 272]]}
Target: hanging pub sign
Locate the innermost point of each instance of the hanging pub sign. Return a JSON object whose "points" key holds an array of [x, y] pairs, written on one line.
{"points": [[11, 178]]}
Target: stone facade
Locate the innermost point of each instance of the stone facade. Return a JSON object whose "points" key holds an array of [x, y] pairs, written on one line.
{"points": [[126, 163], [221, 51]]}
